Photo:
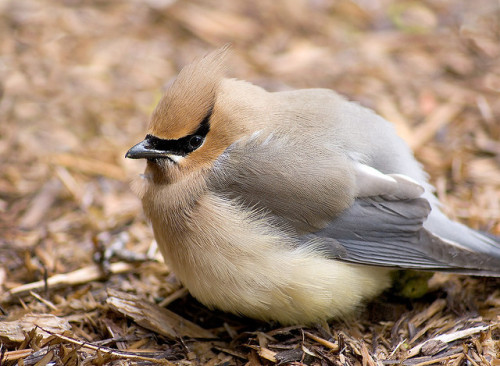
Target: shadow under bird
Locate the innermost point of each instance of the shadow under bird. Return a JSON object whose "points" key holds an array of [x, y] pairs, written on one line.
{"points": [[291, 206]]}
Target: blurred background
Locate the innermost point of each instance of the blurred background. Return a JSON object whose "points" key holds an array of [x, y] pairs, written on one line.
{"points": [[78, 80]]}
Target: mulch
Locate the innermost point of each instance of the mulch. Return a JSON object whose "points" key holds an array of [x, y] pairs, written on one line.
{"points": [[81, 281]]}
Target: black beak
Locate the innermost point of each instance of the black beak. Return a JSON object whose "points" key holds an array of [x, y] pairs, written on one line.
{"points": [[144, 150]]}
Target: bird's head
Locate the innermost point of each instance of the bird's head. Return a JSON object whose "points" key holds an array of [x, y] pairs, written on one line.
{"points": [[191, 125]]}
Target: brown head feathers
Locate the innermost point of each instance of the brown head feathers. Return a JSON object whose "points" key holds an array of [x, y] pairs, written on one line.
{"points": [[190, 98]]}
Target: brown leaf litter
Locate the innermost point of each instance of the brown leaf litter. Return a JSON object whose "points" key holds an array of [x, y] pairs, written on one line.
{"points": [[81, 280]]}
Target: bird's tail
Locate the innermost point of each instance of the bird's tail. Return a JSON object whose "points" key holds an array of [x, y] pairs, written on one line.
{"points": [[483, 249]]}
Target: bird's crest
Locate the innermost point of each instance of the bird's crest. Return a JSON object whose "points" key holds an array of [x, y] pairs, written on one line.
{"points": [[190, 97]]}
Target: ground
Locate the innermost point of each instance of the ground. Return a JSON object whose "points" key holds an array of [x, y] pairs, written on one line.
{"points": [[78, 80]]}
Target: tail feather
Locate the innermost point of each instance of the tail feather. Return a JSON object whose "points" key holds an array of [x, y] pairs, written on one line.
{"points": [[389, 233], [461, 235], [483, 248]]}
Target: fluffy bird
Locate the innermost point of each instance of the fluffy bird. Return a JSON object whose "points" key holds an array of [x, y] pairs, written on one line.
{"points": [[290, 206]]}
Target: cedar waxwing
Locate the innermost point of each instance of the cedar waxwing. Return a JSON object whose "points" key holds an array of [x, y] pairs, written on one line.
{"points": [[290, 206]]}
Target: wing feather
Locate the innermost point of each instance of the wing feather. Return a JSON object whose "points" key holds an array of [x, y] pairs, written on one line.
{"points": [[385, 233], [345, 209]]}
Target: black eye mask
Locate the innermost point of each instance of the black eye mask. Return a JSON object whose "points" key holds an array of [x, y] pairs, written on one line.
{"points": [[153, 148], [182, 146]]}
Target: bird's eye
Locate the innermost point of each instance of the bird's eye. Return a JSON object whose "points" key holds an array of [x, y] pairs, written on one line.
{"points": [[195, 141]]}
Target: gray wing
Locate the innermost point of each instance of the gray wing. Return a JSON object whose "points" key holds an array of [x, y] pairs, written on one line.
{"points": [[386, 226], [390, 233], [346, 209], [305, 187]]}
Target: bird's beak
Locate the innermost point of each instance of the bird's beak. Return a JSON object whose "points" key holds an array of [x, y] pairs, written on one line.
{"points": [[143, 150]]}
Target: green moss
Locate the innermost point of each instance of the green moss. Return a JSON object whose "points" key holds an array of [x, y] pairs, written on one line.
{"points": [[410, 284]]}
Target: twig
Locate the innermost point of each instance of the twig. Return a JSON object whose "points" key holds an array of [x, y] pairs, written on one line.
{"points": [[109, 351]]}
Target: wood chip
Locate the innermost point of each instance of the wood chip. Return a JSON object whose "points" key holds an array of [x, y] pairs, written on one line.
{"points": [[40, 204], [439, 118], [422, 317], [154, 317], [78, 277], [333, 346], [89, 166], [16, 355], [447, 338], [267, 354], [15, 330]]}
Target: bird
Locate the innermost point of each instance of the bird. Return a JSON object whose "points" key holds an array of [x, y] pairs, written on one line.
{"points": [[292, 206]]}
